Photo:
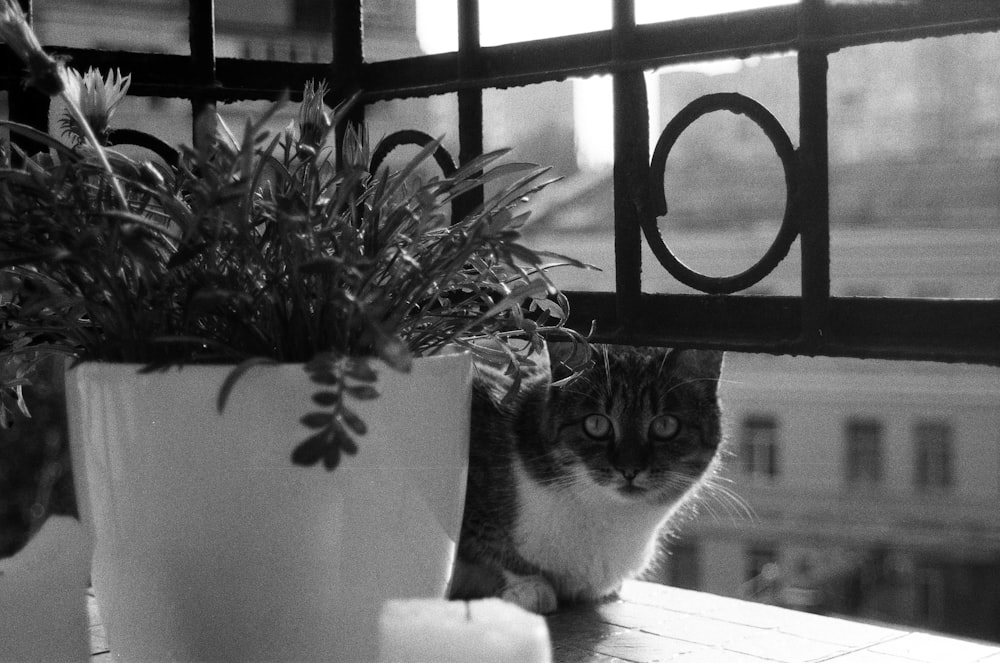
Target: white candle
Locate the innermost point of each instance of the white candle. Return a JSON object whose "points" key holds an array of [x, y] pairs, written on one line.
{"points": [[440, 631]]}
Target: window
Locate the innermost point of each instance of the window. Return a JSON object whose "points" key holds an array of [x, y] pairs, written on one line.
{"points": [[929, 587], [762, 574], [759, 560], [684, 565], [933, 446], [863, 442], [759, 446]]}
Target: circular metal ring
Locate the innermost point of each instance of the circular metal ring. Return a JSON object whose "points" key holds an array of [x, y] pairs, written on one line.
{"points": [[442, 157], [144, 140], [740, 105], [411, 137]]}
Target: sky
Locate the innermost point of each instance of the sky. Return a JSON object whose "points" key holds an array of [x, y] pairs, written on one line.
{"points": [[505, 21]]}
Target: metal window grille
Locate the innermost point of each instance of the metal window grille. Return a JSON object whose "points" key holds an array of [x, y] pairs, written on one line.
{"points": [[814, 323]]}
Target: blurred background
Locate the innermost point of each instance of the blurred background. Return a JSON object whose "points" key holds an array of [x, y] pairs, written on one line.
{"points": [[866, 489]]}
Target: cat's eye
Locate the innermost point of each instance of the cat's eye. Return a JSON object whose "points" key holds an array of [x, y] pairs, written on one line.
{"points": [[664, 427], [598, 427]]}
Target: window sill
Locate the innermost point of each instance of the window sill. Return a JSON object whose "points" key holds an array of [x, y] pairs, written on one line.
{"points": [[656, 623], [652, 622]]}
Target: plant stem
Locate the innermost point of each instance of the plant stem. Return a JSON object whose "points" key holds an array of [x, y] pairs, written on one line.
{"points": [[74, 109]]}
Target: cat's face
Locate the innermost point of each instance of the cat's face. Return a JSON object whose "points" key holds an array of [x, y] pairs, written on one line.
{"points": [[642, 424]]}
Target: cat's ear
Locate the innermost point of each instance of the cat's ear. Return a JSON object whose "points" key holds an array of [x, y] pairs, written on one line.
{"points": [[705, 366]]}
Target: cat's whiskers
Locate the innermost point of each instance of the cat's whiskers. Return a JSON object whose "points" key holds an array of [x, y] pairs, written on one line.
{"points": [[663, 362], [684, 383], [732, 503]]}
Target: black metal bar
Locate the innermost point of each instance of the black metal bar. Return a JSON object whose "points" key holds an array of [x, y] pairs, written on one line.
{"points": [[201, 35], [631, 168], [737, 35], [951, 330], [856, 24], [470, 101], [756, 32], [345, 72], [866, 327], [937, 330], [26, 104], [814, 189]]}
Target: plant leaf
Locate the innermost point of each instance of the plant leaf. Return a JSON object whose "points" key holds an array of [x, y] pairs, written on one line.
{"points": [[326, 398], [363, 392], [310, 450], [234, 375], [353, 421], [316, 420], [359, 369]]}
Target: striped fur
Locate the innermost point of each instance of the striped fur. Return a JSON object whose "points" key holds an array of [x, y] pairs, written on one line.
{"points": [[571, 488]]}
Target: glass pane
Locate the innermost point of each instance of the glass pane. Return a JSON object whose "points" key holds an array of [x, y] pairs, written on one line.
{"points": [[437, 25], [156, 26], [394, 28], [298, 30], [914, 150], [508, 21], [656, 11], [435, 116], [574, 215], [167, 119]]}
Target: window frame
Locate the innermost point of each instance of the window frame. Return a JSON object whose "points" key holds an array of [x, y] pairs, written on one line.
{"points": [[813, 323]]}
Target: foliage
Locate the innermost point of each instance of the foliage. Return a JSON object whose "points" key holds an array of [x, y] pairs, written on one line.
{"points": [[270, 248]]}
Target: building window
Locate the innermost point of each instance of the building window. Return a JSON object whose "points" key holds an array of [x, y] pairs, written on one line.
{"points": [[684, 565], [929, 587], [863, 442], [759, 446], [933, 446], [762, 562], [762, 575]]}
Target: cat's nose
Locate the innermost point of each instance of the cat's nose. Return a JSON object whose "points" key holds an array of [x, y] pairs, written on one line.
{"points": [[629, 474], [629, 460]]}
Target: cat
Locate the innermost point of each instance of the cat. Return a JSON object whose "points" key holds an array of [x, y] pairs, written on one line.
{"points": [[35, 477], [571, 488]]}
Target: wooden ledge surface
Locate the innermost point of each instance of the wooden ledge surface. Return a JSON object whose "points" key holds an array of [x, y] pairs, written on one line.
{"points": [[651, 623]]}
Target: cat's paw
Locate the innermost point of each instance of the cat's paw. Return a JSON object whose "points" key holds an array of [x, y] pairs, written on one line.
{"points": [[533, 593]]}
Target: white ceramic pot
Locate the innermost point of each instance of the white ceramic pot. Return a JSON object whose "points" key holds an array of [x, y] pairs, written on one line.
{"points": [[43, 610], [211, 545]]}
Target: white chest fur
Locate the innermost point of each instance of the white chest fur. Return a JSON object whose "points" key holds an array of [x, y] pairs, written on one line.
{"points": [[583, 538]]}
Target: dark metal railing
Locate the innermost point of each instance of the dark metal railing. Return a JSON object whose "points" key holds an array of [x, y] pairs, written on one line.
{"points": [[812, 324]]}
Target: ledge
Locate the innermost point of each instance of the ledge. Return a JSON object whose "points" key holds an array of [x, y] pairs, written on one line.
{"points": [[652, 622], [656, 623]]}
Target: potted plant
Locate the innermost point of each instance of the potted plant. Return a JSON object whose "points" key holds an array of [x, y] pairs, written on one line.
{"points": [[264, 304]]}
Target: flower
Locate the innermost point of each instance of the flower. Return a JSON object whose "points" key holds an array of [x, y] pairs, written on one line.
{"points": [[96, 97], [315, 120], [43, 70]]}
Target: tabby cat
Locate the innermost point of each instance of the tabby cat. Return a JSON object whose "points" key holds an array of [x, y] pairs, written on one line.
{"points": [[570, 488]]}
